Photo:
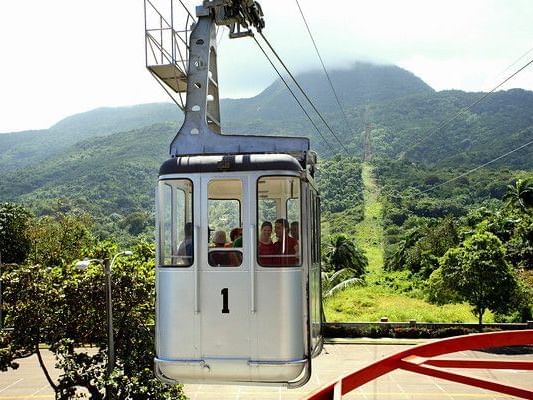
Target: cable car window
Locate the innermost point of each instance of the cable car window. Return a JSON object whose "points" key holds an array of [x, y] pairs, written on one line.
{"points": [[293, 215], [266, 209], [224, 220], [278, 211], [176, 233], [226, 214]]}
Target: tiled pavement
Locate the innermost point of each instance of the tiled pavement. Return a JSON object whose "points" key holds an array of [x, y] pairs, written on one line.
{"points": [[341, 359], [28, 381]]}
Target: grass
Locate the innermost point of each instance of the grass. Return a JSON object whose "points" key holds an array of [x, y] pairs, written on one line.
{"points": [[369, 232], [369, 304]]}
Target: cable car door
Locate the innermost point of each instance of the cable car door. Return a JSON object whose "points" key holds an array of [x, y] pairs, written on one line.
{"points": [[224, 277]]}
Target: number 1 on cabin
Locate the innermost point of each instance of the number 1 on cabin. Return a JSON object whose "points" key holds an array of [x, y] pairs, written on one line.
{"points": [[225, 299]]}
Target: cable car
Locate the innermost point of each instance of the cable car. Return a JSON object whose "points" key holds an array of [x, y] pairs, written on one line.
{"points": [[238, 245]]}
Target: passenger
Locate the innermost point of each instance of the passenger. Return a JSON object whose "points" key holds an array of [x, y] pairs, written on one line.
{"points": [[236, 237], [285, 245], [219, 258], [265, 246], [295, 232], [219, 239], [186, 246]]}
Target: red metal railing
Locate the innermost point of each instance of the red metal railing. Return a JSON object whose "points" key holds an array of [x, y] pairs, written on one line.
{"points": [[418, 359]]}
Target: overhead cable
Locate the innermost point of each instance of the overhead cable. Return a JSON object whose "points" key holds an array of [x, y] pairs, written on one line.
{"points": [[514, 62], [323, 65], [303, 92], [447, 122], [293, 95], [478, 167]]}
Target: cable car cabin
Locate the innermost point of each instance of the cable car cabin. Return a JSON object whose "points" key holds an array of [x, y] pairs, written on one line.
{"points": [[238, 230], [238, 270]]}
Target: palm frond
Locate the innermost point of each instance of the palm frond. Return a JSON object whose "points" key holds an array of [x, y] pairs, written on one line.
{"points": [[343, 285]]}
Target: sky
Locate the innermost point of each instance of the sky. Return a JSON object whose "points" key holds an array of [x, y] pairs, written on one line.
{"points": [[62, 57]]}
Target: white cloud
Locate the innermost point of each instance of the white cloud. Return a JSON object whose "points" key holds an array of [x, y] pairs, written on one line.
{"points": [[66, 56]]}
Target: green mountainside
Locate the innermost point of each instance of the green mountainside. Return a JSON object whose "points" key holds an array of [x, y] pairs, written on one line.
{"points": [[499, 123], [357, 86], [30, 147], [110, 177], [397, 206], [106, 160]]}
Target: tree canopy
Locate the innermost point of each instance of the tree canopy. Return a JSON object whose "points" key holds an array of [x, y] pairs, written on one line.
{"points": [[479, 273], [14, 239], [55, 304]]}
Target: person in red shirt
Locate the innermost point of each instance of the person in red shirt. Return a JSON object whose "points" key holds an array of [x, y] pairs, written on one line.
{"points": [[265, 246], [285, 247]]}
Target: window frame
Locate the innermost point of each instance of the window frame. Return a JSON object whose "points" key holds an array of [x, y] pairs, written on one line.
{"points": [[172, 182], [229, 199], [300, 253], [219, 250]]}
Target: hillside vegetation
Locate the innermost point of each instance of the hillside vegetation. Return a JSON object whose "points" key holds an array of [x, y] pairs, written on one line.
{"points": [[418, 241], [21, 149], [398, 210]]}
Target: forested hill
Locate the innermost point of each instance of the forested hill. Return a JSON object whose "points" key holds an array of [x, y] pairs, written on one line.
{"points": [[394, 107], [31, 147], [500, 123], [398, 111], [356, 86]]}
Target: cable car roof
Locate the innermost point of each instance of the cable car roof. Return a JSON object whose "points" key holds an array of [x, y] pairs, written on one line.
{"points": [[226, 163]]}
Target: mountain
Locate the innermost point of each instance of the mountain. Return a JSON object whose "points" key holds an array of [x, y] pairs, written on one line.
{"points": [[30, 147], [398, 112], [440, 130], [111, 177], [275, 111], [106, 160], [361, 84]]}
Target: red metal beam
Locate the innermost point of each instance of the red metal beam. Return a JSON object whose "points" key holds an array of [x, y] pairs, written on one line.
{"points": [[467, 380], [412, 359], [486, 364]]}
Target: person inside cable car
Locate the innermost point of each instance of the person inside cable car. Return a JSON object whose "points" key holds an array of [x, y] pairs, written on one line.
{"points": [[285, 247], [218, 258], [265, 246], [236, 238], [186, 246], [223, 258], [295, 233]]}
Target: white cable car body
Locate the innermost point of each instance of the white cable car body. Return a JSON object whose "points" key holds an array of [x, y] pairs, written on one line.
{"points": [[232, 310]]}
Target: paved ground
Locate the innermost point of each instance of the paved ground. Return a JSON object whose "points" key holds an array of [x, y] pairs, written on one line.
{"points": [[28, 382]]}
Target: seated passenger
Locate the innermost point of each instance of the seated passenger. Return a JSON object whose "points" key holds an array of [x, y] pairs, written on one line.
{"points": [[295, 232], [236, 238], [222, 258], [186, 246], [265, 247], [285, 245]]}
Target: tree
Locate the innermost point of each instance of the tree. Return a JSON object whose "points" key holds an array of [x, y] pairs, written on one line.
{"points": [[342, 253], [398, 259], [135, 222], [14, 240], [60, 238], [345, 265], [478, 272], [62, 307], [520, 195]]}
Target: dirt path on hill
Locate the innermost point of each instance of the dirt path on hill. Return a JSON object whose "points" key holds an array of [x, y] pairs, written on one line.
{"points": [[369, 232]]}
